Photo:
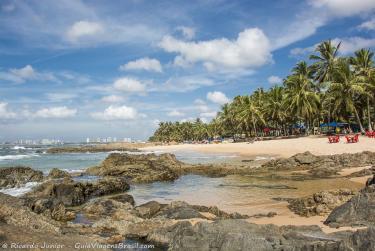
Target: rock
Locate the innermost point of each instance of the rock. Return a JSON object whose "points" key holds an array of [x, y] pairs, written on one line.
{"points": [[363, 172], [58, 174], [370, 181], [320, 203], [124, 198], [139, 168], [105, 207], [179, 210], [358, 211], [149, 209], [76, 193], [17, 176], [305, 158]]}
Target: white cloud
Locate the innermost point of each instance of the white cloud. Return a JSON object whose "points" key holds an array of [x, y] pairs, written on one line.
{"points": [[8, 7], [5, 113], [147, 64], [116, 113], [55, 112], [368, 25], [129, 85], [274, 80], [301, 51], [175, 113], [112, 99], [83, 29], [250, 49], [56, 97], [211, 114], [21, 75], [199, 102], [345, 7], [351, 44], [217, 97], [187, 32], [184, 84]]}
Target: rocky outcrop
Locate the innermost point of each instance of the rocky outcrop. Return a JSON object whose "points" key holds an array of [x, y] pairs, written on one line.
{"points": [[358, 211], [139, 168], [324, 165], [241, 235], [17, 176], [56, 173], [18, 224], [321, 203]]}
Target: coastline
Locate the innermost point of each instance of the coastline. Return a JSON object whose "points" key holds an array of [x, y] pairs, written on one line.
{"points": [[275, 148]]}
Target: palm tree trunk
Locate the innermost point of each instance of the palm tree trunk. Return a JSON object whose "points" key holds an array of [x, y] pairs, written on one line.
{"points": [[369, 114], [358, 120]]}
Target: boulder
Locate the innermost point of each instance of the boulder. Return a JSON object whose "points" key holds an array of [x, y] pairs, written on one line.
{"points": [[56, 173], [358, 211], [141, 168], [320, 203], [124, 198], [149, 209], [17, 176]]}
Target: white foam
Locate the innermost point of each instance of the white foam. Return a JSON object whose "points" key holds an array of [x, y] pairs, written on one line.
{"points": [[74, 170], [16, 157], [18, 148], [18, 191], [263, 158]]}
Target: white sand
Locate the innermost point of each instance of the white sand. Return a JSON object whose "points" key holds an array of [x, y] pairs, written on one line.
{"points": [[279, 148]]}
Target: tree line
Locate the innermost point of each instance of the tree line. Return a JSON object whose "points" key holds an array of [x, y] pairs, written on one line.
{"points": [[330, 88]]}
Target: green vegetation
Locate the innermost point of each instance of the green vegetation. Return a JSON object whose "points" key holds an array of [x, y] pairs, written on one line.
{"points": [[331, 88]]}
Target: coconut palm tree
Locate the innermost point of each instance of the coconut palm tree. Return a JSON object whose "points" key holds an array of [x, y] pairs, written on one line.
{"points": [[345, 88], [364, 68], [249, 114]]}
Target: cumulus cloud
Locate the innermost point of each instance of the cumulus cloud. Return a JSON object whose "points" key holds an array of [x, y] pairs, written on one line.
{"points": [[175, 113], [345, 7], [112, 99], [147, 64], [217, 97], [368, 25], [187, 32], [250, 49], [129, 85], [5, 113], [274, 80], [116, 113], [55, 112], [57, 97], [83, 29]]}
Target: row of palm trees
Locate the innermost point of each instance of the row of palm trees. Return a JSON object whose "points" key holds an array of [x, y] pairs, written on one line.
{"points": [[331, 88]]}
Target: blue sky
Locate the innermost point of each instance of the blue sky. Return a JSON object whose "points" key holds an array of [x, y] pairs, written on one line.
{"points": [[77, 69]]}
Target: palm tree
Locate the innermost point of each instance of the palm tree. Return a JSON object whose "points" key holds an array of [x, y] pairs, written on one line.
{"points": [[325, 61], [249, 113], [345, 89], [363, 66], [274, 106]]}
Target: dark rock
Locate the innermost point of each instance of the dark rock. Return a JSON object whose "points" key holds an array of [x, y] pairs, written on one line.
{"points": [[320, 203], [149, 209], [179, 210], [370, 181], [358, 211], [17, 176], [124, 198], [56, 173]]}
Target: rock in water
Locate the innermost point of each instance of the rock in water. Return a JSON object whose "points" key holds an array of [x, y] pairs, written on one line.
{"points": [[56, 173], [139, 168], [17, 176], [358, 211]]}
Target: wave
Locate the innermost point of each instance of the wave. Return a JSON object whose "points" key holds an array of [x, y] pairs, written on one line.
{"points": [[18, 191], [74, 170], [16, 157]]}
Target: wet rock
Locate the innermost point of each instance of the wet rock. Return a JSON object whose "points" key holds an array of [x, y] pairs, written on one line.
{"points": [[56, 173], [358, 211], [124, 198], [139, 168], [320, 203], [17, 176], [149, 209], [363, 172], [73, 193], [179, 210], [370, 181], [106, 207]]}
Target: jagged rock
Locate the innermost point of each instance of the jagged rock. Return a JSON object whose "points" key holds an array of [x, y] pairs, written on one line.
{"points": [[320, 203], [149, 209], [139, 168], [17, 176], [105, 207], [56, 173], [358, 211], [124, 198], [73, 193], [370, 181]]}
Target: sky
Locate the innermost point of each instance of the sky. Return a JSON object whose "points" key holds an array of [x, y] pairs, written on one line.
{"points": [[72, 69]]}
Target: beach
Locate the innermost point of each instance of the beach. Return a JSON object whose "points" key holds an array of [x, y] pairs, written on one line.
{"points": [[277, 148]]}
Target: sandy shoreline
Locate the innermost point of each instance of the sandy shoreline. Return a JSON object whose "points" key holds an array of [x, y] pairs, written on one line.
{"points": [[277, 148]]}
